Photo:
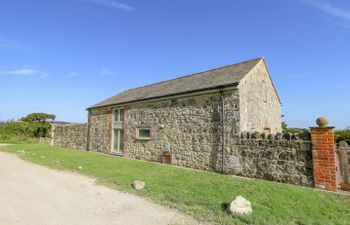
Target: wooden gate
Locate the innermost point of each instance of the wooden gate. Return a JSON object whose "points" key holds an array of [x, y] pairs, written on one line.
{"points": [[343, 151]]}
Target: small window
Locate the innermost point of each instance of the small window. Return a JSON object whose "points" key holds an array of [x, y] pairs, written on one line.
{"points": [[119, 115], [116, 113], [144, 133]]}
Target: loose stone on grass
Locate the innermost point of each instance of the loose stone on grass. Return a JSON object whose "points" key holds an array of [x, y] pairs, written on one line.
{"points": [[240, 206], [138, 185]]}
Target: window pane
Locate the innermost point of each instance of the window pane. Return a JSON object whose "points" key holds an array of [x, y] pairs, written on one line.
{"points": [[121, 115], [116, 112], [144, 133], [121, 146], [115, 144]]}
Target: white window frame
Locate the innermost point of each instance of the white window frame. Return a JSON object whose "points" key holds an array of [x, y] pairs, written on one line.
{"points": [[118, 119], [117, 128], [138, 133]]}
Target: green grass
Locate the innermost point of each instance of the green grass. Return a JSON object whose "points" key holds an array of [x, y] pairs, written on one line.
{"points": [[18, 140], [201, 194]]}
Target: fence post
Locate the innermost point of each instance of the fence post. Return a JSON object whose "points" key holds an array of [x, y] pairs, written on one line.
{"points": [[53, 127], [324, 157]]}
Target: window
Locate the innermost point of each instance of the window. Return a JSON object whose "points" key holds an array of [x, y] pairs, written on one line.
{"points": [[144, 133], [118, 132], [118, 115], [118, 140]]}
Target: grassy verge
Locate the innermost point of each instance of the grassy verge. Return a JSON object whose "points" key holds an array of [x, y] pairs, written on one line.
{"points": [[19, 140], [200, 194]]}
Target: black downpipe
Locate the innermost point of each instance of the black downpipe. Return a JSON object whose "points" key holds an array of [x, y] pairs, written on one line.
{"points": [[222, 130]]}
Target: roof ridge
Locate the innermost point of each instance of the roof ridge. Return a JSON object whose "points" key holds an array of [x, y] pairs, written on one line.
{"points": [[221, 67]]}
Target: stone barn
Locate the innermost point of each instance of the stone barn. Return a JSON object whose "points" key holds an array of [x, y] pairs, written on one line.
{"points": [[188, 120]]}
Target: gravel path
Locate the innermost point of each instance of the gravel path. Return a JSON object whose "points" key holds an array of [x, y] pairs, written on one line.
{"points": [[35, 195]]}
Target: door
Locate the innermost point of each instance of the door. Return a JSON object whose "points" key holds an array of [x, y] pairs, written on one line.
{"points": [[118, 145]]}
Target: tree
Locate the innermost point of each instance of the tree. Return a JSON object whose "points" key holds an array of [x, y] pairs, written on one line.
{"points": [[284, 126], [38, 117]]}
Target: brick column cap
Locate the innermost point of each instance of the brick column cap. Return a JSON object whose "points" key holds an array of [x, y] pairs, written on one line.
{"points": [[322, 128]]}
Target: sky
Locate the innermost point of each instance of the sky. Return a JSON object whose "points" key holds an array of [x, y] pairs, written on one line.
{"points": [[62, 56]]}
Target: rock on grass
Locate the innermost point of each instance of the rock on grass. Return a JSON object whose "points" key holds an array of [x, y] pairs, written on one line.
{"points": [[240, 206]]}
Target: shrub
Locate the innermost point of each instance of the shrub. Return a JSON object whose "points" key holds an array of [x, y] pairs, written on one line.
{"points": [[342, 135], [24, 131], [294, 130], [34, 125]]}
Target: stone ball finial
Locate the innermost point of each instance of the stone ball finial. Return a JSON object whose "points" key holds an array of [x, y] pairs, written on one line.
{"points": [[322, 122]]}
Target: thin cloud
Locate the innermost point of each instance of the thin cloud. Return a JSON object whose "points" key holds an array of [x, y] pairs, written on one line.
{"points": [[112, 4], [329, 8], [72, 74], [10, 44], [24, 72], [344, 25], [106, 72]]}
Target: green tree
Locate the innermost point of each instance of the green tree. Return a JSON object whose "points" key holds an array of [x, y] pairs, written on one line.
{"points": [[34, 125], [38, 117]]}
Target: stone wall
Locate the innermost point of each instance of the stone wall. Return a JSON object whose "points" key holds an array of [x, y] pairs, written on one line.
{"points": [[100, 134], [286, 159], [69, 135], [187, 127], [260, 107], [343, 165]]}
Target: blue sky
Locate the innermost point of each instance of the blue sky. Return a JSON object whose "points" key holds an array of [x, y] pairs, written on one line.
{"points": [[61, 56]]}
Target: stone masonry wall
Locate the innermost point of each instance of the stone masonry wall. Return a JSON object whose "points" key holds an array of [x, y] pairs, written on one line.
{"points": [[286, 158], [259, 105], [69, 135], [187, 127], [100, 130]]}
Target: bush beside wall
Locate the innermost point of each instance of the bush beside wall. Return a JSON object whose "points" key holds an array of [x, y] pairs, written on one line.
{"points": [[342, 135], [24, 131]]}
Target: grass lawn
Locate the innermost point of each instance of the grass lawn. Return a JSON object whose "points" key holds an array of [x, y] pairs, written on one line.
{"points": [[201, 194]]}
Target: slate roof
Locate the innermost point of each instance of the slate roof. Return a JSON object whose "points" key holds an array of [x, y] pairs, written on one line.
{"points": [[220, 77]]}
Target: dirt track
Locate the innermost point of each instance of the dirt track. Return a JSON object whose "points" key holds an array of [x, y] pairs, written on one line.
{"points": [[34, 195]]}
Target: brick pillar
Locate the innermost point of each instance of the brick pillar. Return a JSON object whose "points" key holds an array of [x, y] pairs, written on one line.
{"points": [[324, 158]]}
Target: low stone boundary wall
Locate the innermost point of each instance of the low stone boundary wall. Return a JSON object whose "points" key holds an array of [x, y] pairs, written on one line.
{"points": [[343, 159], [283, 158], [69, 135]]}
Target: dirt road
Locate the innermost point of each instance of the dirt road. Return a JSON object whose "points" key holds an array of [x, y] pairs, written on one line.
{"points": [[35, 195]]}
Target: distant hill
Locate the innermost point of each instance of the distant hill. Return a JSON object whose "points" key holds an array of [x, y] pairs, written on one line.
{"points": [[2, 124], [60, 122]]}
